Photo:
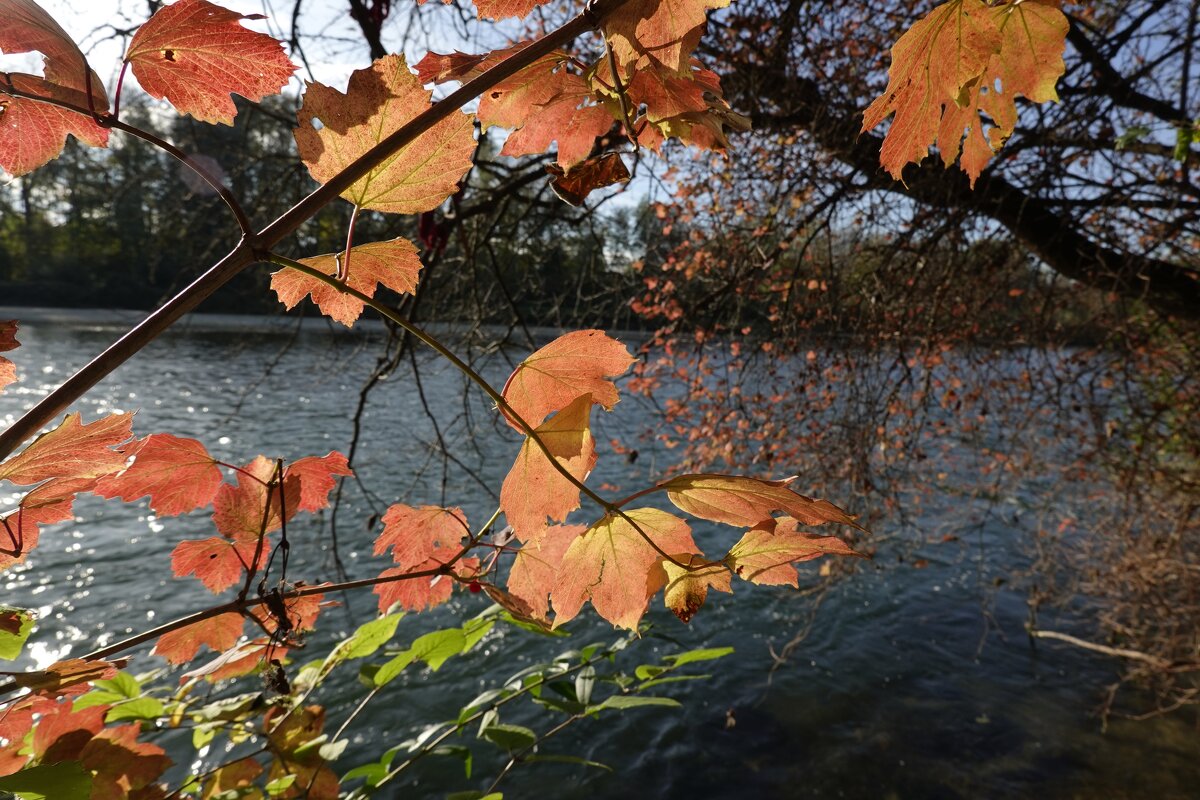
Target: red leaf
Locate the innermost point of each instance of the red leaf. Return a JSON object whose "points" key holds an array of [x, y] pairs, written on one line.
{"points": [[378, 101], [195, 54], [178, 475], [416, 534], [316, 476], [614, 566], [218, 563], [220, 633], [395, 264], [67, 677], [28, 28], [62, 733], [664, 31], [419, 593], [574, 364], [535, 568], [566, 117], [72, 450], [49, 503], [503, 9], [687, 589], [122, 763], [252, 508], [8, 341], [575, 184], [533, 489]]}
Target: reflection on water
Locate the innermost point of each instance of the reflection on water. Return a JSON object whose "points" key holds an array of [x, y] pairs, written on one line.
{"points": [[913, 683]]}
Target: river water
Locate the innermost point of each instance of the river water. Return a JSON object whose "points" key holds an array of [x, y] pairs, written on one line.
{"points": [[912, 683]]}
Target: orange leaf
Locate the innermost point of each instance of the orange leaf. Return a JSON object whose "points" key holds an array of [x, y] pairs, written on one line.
{"points": [[535, 568], [220, 633], [738, 500], [378, 101], [573, 364], [613, 565], [423, 591], [568, 118], [416, 534], [34, 132], [122, 763], [395, 264], [73, 449], [253, 508], [765, 553], [503, 9], [8, 341], [28, 28], [316, 477], [218, 563], [177, 474], [665, 31], [63, 732], [686, 590], [533, 488], [195, 54]]}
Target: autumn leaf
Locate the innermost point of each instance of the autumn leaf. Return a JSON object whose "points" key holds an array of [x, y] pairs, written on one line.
{"points": [[395, 264], [576, 363], [122, 764], [218, 563], [46, 504], [575, 184], [612, 564], [533, 489], [8, 341], [236, 661], [414, 535], [503, 9], [420, 592], [535, 567], [73, 449], [765, 553], [195, 55], [568, 117], [176, 473], [32, 132], [64, 730], [254, 507], [738, 500], [68, 676], [945, 69], [665, 31], [685, 590], [317, 476], [378, 101], [220, 633], [457, 66]]}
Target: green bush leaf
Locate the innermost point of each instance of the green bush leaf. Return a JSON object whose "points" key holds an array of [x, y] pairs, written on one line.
{"points": [[66, 779]]}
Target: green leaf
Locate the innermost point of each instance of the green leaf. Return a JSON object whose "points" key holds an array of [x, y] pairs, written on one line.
{"points": [[372, 773], [564, 759], [65, 780], [331, 750], [123, 684], [366, 640], [585, 681], [647, 671], [672, 679], [280, 785], [622, 702], [138, 708], [456, 750], [475, 794], [475, 630], [15, 625], [389, 671], [692, 656], [435, 648], [510, 737]]}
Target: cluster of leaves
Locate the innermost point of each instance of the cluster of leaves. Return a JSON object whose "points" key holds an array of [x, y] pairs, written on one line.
{"points": [[362, 145]]}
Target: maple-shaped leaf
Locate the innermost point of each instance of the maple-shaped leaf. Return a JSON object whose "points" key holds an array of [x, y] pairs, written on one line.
{"points": [[738, 500], [613, 565], [72, 450], [254, 506], [317, 476], [176, 473], [220, 633], [458, 66], [379, 100], [576, 363], [568, 118], [414, 535], [422, 591], [515, 99], [533, 489], [962, 58], [765, 553], [685, 590], [8, 341], [575, 184], [33, 133], [64, 731], [48, 503], [218, 563], [195, 55], [535, 568], [28, 29], [122, 764], [395, 264], [68, 676], [665, 31], [503, 9]]}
